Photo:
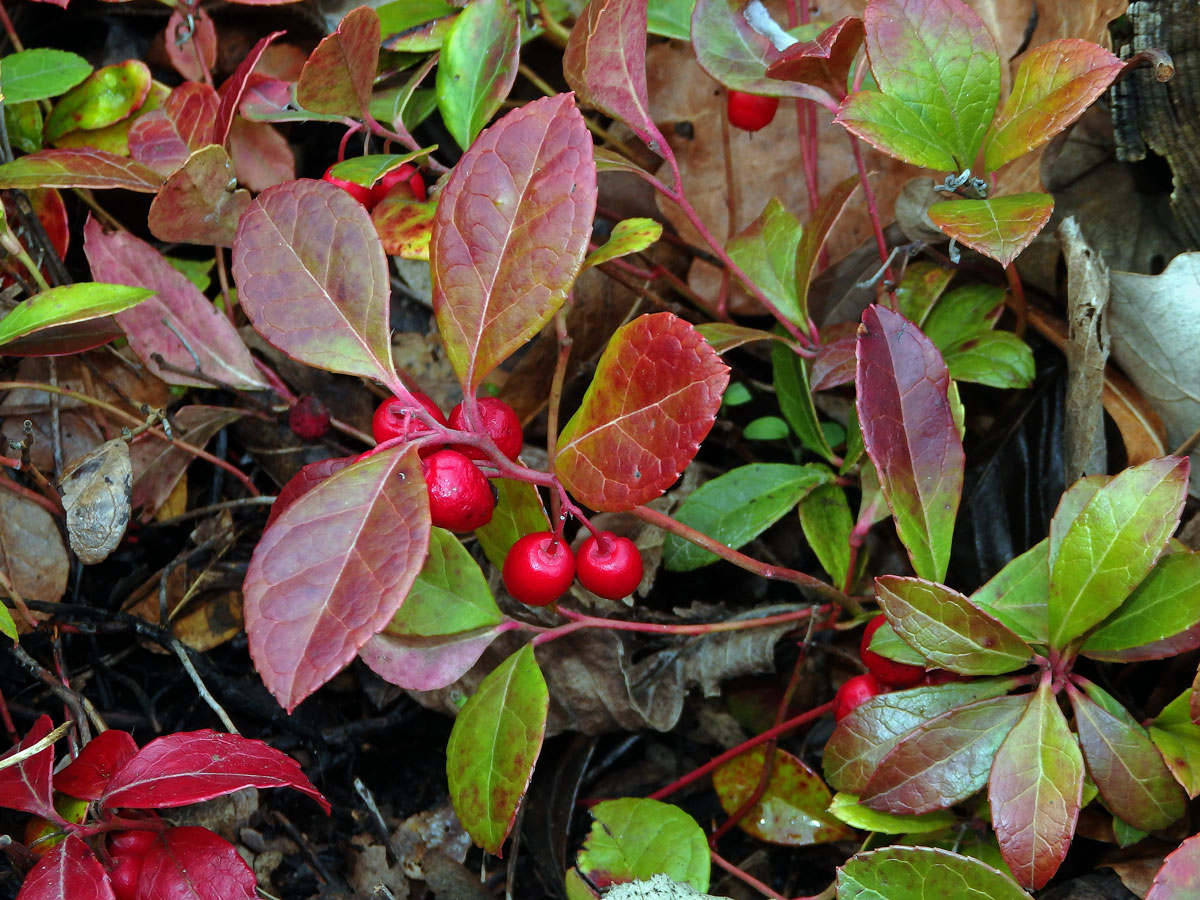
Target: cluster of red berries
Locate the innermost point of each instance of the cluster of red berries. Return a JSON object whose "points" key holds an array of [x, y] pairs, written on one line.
{"points": [[540, 567], [126, 850], [406, 174], [882, 675], [750, 112]]}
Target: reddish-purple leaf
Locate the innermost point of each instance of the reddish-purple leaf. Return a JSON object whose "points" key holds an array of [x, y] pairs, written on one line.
{"points": [[816, 230], [1054, 84], [232, 90], [825, 61], [653, 399], [340, 72], [27, 785], [426, 663], [198, 204], [261, 155], [1179, 876], [164, 138], [910, 435], [179, 322], [605, 64], [510, 234], [192, 863], [84, 168], [190, 766], [332, 569], [88, 775], [70, 871], [837, 357], [1000, 227], [304, 481], [313, 280], [191, 45], [158, 465]]}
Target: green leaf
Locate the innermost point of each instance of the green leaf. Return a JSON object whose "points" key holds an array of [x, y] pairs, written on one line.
{"points": [[999, 227], [450, 594], [766, 428], [104, 97], [790, 374], [670, 18], [723, 336], [847, 808], [766, 250], [919, 289], [1126, 834], [1016, 595], [897, 129], [738, 506], [366, 170], [634, 838], [1113, 544], [66, 304], [997, 359], [887, 643], [494, 745], [827, 523], [40, 74], [628, 236], [922, 873], [24, 123], [947, 629], [400, 24], [478, 66], [1162, 606], [1070, 505], [737, 394], [518, 512], [1178, 740], [963, 314]]}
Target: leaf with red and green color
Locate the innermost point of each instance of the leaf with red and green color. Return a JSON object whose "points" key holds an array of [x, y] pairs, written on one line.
{"points": [[366, 170], [27, 784], [766, 251], [84, 168], [944, 760], [1035, 789], [886, 642], [922, 873], [653, 399], [605, 64], [450, 595], [304, 481], [518, 512], [231, 97], [1162, 606], [628, 236], [1113, 544], [494, 745], [67, 304], [910, 435], [339, 74], [106, 96], [816, 231], [88, 775], [511, 232], [947, 629], [920, 289], [1054, 84], [1177, 738], [1129, 772], [478, 66], [426, 663], [333, 569], [827, 523], [790, 376], [869, 733], [404, 226], [191, 766], [634, 839], [896, 129], [825, 61], [1000, 227], [846, 808], [1016, 595], [164, 138], [1179, 876], [196, 204], [313, 280], [792, 810], [192, 863], [69, 871], [401, 24], [723, 337], [178, 322], [836, 358]]}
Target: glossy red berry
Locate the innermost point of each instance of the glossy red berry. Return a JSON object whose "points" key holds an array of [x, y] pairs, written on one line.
{"points": [[406, 174], [610, 566], [309, 418], [499, 420], [135, 842], [538, 569], [460, 496], [855, 692], [357, 191], [123, 876], [393, 419], [890, 672], [750, 112]]}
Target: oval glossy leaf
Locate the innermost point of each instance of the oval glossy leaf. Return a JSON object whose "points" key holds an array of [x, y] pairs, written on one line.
{"points": [[40, 74], [425, 664], [847, 808], [909, 432], [1179, 876], [633, 839], [1162, 606], [653, 399], [1000, 227], [192, 863], [1054, 84], [628, 236], [724, 337], [947, 629], [896, 129], [825, 61], [478, 66], [450, 594], [313, 279], [793, 809], [997, 359], [518, 512], [83, 168], [1178, 740], [366, 170], [1113, 544], [106, 96], [26, 785], [511, 232], [922, 873], [338, 76], [1035, 789], [333, 569], [235, 87], [70, 871], [200, 202], [790, 374], [736, 507], [87, 776], [1016, 595], [494, 745], [66, 304], [766, 251]]}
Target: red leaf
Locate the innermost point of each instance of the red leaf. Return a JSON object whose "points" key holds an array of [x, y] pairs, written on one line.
{"points": [[27, 785], [70, 871], [332, 569], [304, 481], [121, 258], [1179, 876], [341, 71], [825, 61], [88, 775], [653, 399], [85, 168], [164, 138], [196, 205], [191, 766], [261, 155], [192, 48], [1000, 227], [836, 357], [192, 863], [313, 280], [425, 663], [909, 433], [816, 230], [232, 90], [510, 234]]}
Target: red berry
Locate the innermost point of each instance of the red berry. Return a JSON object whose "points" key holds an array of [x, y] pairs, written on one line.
{"points": [[890, 672], [405, 174], [394, 419], [855, 692], [123, 876], [357, 191], [499, 420], [609, 565], [750, 112], [460, 496], [538, 569], [134, 842], [309, 418]]}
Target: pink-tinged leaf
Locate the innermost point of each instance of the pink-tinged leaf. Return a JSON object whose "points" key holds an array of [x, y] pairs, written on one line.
{"points": [[304, 481], [605, 64], [200, 202], [909, 433], [88, 775], [1054, 84], [405, 226], [27, 785], [1034, 789], [84, 168], [723, 337], [191, 47], [313, 280], [333, 569], [825, 61], [510, 234], [164, 138], [340, 72], [1179, 876], [837, 357], [261, 155], [192, 863], [1181, 642], [816, 230], [178, 313], [494, 745], [190, 766], [426, 663], [70, 871], [232, 90], [159, 465], [653, 399], [1000, 227]]}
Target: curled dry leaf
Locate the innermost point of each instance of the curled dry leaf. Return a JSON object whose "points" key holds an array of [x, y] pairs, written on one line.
{"points": [[96, 492], [32, 554]]}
